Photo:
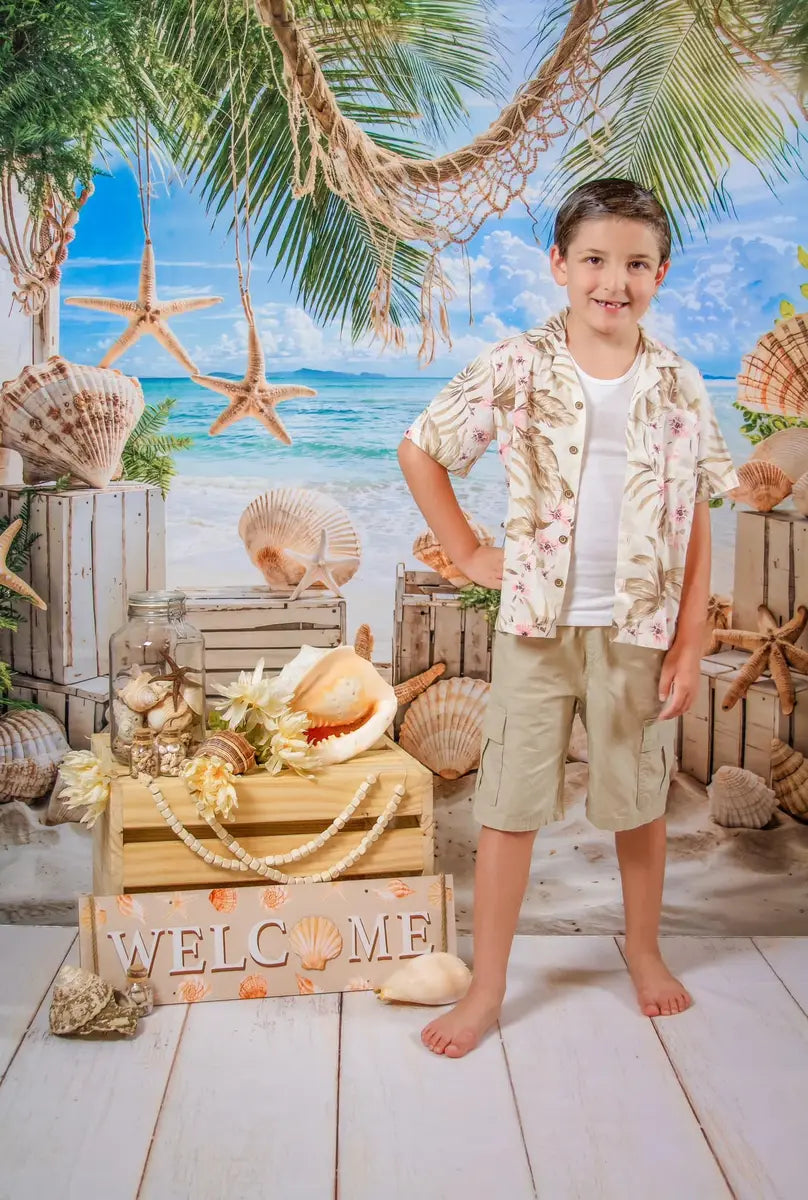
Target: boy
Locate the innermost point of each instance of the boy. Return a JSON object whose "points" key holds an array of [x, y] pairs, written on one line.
{"points": [[611, 452]]}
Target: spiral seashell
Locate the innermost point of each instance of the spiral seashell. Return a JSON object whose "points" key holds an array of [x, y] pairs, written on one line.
{"points": [[443, 727], [428, 550], [274, 897], [315, 940], [252, 987], [787, 449], [230, 746], [740, 799], [790, 779], [437, 978], [799, 494], [410, 688], [774, 376], [397, 888], [170, 717], [143, 692], [192, 991], [293, 519], [223, 899], [66, 418], [762, 485], [32, 744]]}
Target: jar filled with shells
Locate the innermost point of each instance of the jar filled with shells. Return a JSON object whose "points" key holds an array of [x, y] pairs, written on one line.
{"points": [[157, 674]]}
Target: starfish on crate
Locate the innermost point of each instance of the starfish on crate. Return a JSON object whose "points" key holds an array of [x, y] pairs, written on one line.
{"points": [[319, 567], [772, 647], [252, 396], [147, 314], [7, 577]]}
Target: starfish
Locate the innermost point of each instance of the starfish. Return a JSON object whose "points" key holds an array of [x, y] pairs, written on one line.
{"points": [[179, 677], [147, 314], [7, 577], [773, 647], [252, 396], [319, 567]]}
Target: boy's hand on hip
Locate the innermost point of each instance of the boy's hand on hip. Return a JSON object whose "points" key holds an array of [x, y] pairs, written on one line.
{"points": [[484, 566], [679, 679]]}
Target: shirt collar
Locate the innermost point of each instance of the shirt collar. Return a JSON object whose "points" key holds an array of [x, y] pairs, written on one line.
{"points": [[552, 338]]}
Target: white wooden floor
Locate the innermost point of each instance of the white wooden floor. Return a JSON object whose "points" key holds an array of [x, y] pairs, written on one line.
{"points": [[319, 1097]]}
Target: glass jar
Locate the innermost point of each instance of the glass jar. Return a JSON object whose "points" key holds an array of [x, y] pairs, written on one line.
{"points": [[156, 673], [139, 990], [171, 749], [143, 754]]}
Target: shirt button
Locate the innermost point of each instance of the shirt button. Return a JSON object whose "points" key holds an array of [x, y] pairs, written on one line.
{"points": [[579, 403], [573, 449], [559, 583], [567, 494], [563, 538]]}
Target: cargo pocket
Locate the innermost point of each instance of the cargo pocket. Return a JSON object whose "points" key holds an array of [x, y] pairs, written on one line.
{"points": [[655, 763], [489, 772]]}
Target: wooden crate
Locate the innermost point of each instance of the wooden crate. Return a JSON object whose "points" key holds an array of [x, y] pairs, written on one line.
{"points": [[96, 546], [134, 850], [771, 566], [243, 624], [81, 707]]}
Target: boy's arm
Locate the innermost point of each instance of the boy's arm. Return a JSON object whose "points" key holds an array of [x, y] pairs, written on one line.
{"points": [[679, 678]]}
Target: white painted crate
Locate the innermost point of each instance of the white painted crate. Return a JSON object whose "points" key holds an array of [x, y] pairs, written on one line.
{"points": [[771, 566], [81, 707], [96, 546]]}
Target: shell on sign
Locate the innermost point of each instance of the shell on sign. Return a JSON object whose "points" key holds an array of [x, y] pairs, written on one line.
{"points": [[224, 899], [192, 991], [315, 940], [32, 744], [274, 896], [443, 727], [67, 418], [739, 799], [428, 979], [428, 550], [293, 519], [84, 1005], [790, 779], [787, 449], [762, 485], [774, 375], [252, 987]]}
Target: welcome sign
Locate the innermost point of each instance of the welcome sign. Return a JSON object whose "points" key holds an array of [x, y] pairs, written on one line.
{"points": [[244, 943]]}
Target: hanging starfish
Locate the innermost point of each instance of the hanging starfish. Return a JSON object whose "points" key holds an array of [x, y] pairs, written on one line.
{"points": [[771, 647], [179, 677], [7, 577], [319, 567], [252, 396], [147, 314]]}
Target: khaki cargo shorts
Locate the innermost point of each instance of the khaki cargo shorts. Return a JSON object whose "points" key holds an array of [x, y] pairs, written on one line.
{"points": [[536, 686]]}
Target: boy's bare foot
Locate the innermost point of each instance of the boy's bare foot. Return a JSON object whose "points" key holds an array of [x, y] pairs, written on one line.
{"points": [[459, 1031], [659, 993]]}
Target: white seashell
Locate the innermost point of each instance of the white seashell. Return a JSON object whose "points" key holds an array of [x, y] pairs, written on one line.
{"points": [[799, 494], [143, 692], [739, 799], [126, 721], [166, 716], [293, 519], [67, 418], [774, 376], [193, 697], [10, 468], [32, 744], [428, 550], [315, 940], [787, 449], [790, 779], [428, 979], [443, 727]]}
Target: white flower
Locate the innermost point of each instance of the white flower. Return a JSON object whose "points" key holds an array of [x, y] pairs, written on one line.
{"points": [[86, 784], [251, 697], [288, 745], [212, 781]]}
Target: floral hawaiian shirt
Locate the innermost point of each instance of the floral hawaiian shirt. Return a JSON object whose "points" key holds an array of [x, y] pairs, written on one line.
{"points": [[526, 393]]}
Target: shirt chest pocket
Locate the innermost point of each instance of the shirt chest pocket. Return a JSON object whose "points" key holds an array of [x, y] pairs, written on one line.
{"points": [[680, 435]]}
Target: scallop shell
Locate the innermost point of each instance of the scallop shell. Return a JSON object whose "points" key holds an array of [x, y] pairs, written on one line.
{"points": [[762, 485], [428, 979], [32, 744], [143, 691], [428, 550], [306, 987], [739, 799], [774, 376], [274, 897], [84, 1005], [787, 449], [252, 987], [434, 893], [799, 494], [223, 899], [292, 519], [67, 418], [315, 940], [230, 746], [790, 779], [443, 727]]}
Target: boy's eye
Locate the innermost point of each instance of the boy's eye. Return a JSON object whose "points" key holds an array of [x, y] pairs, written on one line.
{"points": [[592, 258], [638, 263]]}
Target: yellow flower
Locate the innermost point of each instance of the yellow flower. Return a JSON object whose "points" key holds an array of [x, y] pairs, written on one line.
{"points": [[251, 697], [86, 784], [212, 782], [288, 745]]}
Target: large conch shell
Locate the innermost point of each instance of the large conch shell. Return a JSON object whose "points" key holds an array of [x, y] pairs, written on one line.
{"points": [[739, 799], [428, 979], [790, 779], [294, 519], [65, 418], [443, 727], [774, 376], [315, 940], [787, 449], [428, 550], [348, 703], [84, 1005], [762, 485], [32, 744]]}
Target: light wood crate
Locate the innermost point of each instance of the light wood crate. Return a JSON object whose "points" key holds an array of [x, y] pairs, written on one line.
{"points": [[134, 849], [771, 566], [95, 547], [244, 624], [81, 707], [740, 737]]}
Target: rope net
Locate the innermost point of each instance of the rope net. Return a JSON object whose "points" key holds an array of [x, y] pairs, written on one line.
{"points": [[36, 253]]}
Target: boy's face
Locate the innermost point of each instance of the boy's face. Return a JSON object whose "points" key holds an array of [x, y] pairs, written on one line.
{"points": [[611, 272]]}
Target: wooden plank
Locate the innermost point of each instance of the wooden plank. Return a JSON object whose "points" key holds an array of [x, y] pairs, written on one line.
{"points": [[83, 717], [273, 639], [748, 578], [788, 958], [727, 726], [264, 619], [79, 660], [98, 1101], [447, 639], [412, 1124], [53, 702], [31, 956], [108, 572], [244, 659], [748, 1028], [695, 748], [135, 558], [156, 540], [285, 1144], [799, 535], [779, 576], [476, 645], [5, 635], [41, 662], [22, 640], [414, 653], [592, 1103]]}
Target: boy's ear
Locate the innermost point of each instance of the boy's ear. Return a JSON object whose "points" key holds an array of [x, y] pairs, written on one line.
{"points": [[662, 271], [558, 265]]}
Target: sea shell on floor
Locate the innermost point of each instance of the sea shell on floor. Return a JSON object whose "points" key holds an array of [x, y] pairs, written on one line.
{"points": [[252, 987], [32, 744], [428, 979], [787, 449], [740, 799], [762, 485], [66, 418], [224, 899], [774, 375], [790, 779], [293, 519], [84, 1005], [233, 748], [799, 494], [428, 550], [315, 940], [443, 727]]}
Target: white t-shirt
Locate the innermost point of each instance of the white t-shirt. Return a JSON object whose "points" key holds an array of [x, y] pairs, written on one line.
{"points": [[589, 598]]}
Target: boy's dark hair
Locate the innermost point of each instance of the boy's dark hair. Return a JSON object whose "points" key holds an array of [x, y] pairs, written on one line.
{"points": [[611, 198]]}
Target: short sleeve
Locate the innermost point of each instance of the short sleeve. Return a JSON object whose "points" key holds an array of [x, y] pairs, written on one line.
{"points": [[458, 424], [715, 471]]}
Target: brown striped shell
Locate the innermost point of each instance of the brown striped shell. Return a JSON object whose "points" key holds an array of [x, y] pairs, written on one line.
{"points": [[230, 746], [774, 375]]}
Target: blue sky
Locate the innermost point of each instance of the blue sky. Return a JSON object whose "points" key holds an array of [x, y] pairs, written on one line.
{"points": [[722, 291]]}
